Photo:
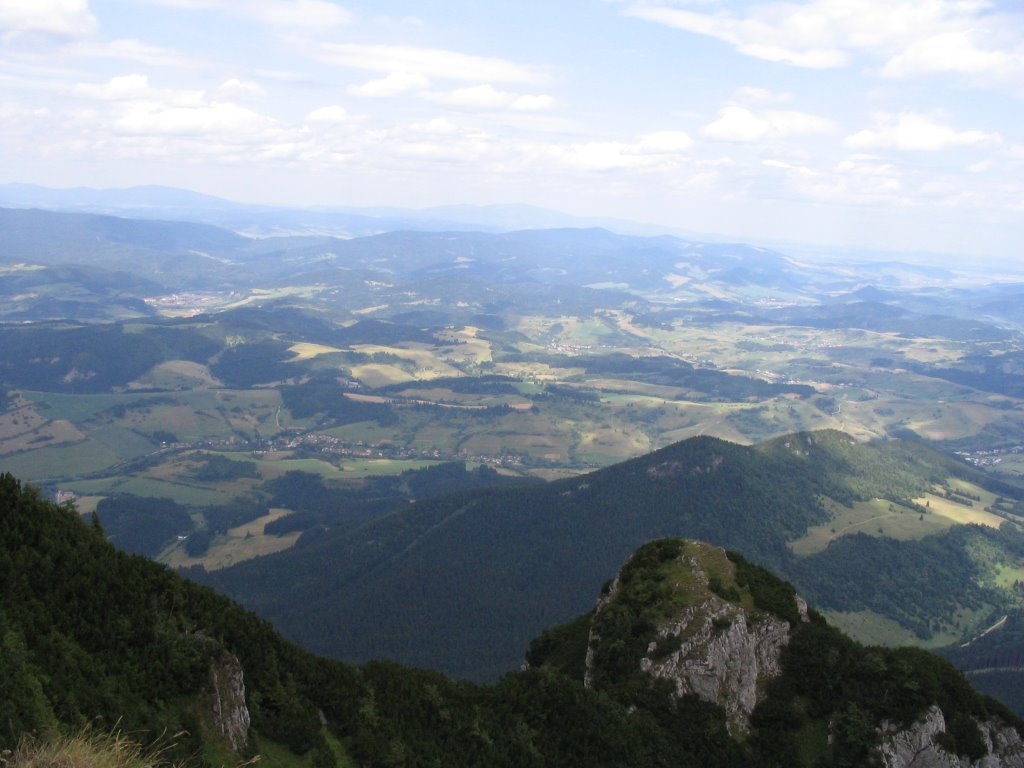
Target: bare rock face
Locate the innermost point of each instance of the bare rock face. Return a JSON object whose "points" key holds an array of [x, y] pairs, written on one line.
{"points": [[226, 700], [714, 626], [919, 745], [714, 648], [725, 656]]}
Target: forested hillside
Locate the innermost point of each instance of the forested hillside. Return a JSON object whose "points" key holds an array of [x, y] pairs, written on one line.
{"points": [[92, 635], [490, 569]]}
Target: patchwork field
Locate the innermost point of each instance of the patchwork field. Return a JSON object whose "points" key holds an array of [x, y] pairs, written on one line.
{"points": [[237, 545], [540, 395], [934, 513], [873, 629]]}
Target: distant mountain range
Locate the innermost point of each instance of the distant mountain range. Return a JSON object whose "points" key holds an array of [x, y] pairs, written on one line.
{"points": [[156, 202]]}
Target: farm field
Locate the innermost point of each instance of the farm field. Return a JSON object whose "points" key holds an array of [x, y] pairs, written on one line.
{"points": [[241, 543], [224, 400], [593, 419]]}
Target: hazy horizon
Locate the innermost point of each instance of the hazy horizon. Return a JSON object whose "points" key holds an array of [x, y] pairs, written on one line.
{"points": [[892, 126]]}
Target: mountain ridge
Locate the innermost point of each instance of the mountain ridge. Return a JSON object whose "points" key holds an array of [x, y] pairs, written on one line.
{"points": [[519, 559], [78, 609]]}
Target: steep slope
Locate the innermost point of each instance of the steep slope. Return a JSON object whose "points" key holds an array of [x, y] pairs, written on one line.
{"points": [[494, 568], [91, 635], [994, 660], [696, 622]]}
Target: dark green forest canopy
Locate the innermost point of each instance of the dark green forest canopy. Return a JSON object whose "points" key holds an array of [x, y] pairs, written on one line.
{"points": [[522, 558], [88, 632], [83, 359]]}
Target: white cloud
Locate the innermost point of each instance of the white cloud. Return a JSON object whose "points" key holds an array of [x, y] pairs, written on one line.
{"points": [[740, 124], [117, 88], [135, 51], [917, 133], [438, 126], [312, 14], [240, 89], [302, 13], [861, 177], [426, 62], [129, 106], [137, 88], [911, 36], [657, 151], [487, 97], [799, 170], [774, 35], [664, 143], [221, 119], [58, 18], [395, 84], [333, 114], [953, 52], [755, 95]]}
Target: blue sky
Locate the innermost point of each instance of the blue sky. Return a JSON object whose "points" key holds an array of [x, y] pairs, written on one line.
{"points": [[895, 124]]}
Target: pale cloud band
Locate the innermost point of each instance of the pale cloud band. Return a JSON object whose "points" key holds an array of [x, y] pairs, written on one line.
{"points": [[740, 124], [487, 97], [312, 14], [394, 84], [918, 133], [58, 18], [425, 62], [911, 37]]}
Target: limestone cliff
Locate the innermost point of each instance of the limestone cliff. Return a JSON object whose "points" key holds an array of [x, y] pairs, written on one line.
{"points": [[726, 655], [921, 745], [226, 700], [694, 620], [721, 650], [223, 695]]}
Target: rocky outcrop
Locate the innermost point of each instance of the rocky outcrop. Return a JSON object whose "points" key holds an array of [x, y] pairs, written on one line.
{"points": [[920, 745], [725, 656], [685, 618], [226, 699], [714, 648]]}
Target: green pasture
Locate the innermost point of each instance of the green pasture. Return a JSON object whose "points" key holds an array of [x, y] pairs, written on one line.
{"points": [[369, 432], [358, 468], [272, 467], [77, 408], [175, 375], [125, 443], [58, 461], [182, 493], [877, 517], [871, 628]]}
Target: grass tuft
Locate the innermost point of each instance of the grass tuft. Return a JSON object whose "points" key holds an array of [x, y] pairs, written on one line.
{"points": [[89, 749]]}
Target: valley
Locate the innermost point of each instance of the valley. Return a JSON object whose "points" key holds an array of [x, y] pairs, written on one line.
{"points": [[623, 384], [329, 390]]}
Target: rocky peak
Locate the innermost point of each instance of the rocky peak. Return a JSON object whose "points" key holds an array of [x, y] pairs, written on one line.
{"points": [[922, 745], [687, 613], [700, 634]]}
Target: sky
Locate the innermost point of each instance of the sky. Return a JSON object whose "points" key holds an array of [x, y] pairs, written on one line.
{"points": [[882, 124]]}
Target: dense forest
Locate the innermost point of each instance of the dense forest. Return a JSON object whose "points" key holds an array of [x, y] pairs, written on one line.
{"points": [[91, 634], [521, 558]]}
